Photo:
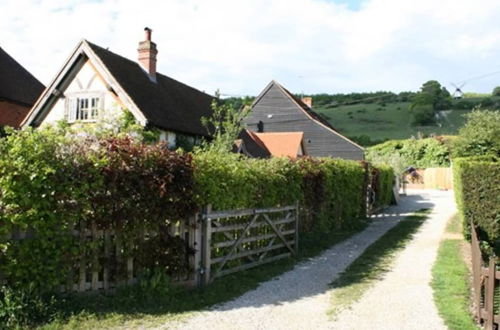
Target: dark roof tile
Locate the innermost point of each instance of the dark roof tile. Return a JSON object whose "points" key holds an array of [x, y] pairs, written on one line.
{"points": [[166, 103], [16, 83]]}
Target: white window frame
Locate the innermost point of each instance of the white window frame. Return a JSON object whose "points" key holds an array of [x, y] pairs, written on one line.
{"points": [[72, 108]]}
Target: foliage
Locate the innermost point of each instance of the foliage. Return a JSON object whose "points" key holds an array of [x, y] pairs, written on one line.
{"points": [[450, 282], [335, 193], [423, 153], [480, 135], [22, 307], [382, 182], [496, 91], [120, 124], [224, 125], [229, 181], [239, 102], [431, 98], [365, 140], [51, 184], [331, 192], [477, 194]]}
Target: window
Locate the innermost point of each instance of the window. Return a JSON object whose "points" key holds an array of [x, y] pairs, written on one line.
{"points": [[83, 108]]}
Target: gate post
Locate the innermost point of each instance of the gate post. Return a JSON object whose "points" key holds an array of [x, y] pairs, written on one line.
{"points": [[206, 244], [296, 229]]}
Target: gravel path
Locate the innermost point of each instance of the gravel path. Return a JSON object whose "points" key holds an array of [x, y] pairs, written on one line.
{"points": [[403, 299], [300, 298]]}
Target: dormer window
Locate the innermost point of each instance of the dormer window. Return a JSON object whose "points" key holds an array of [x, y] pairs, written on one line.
{"points": [[84, 108]]}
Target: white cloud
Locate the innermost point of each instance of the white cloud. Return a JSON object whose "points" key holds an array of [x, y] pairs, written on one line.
{"points": [[238, 46]]}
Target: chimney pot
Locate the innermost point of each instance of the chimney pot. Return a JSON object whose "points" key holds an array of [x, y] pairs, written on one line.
{"points": [[148, 33]]}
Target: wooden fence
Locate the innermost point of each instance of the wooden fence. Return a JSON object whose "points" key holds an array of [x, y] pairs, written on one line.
{"points": [[486, 276], [431, 178], [242, 239], [93, 271], [224, 242]]}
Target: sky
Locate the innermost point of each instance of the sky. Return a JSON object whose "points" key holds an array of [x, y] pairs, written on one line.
{"points": [[309, 46]]}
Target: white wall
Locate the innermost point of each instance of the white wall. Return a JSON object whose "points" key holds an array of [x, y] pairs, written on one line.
{"points": [[86, 81]]}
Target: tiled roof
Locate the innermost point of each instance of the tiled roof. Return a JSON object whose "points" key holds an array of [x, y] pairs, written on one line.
{"points": [[16, 83], [283, 144]]}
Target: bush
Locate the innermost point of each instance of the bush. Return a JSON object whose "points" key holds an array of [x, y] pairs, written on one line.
{"points": [[423, 153], [51, 184], [331, 192], [382, 182], [480, 135], [477, 193]]}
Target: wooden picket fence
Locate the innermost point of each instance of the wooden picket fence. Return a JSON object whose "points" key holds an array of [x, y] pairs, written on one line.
{"points": [[224, 242], [93, 273], [486, 285]]}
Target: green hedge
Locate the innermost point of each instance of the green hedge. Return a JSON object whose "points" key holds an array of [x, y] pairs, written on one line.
{"points": [[477, 193], [422, 153], [331, 192], [382, 185], [51, 184]]}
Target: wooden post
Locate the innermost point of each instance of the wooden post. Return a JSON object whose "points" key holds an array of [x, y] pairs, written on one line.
{"points": [[490, 296], [105, 271], [206, 245], [83, 264], [96, 236], [296, 228], [195, 244], [476, 271]]}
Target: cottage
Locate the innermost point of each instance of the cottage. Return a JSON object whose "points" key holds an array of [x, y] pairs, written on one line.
{"points": [[96, 83], [18, 91], [277, 110]]}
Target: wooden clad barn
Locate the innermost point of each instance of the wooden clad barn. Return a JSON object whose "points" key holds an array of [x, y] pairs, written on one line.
{"points": [[277, 110]]}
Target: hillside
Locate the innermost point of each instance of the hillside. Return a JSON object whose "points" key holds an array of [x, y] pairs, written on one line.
{"points": [[380, 121]]}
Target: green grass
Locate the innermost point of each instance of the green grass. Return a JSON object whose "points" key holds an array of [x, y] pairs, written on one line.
{"points": [[450, 281], [391, 121], [131, 309], [373, 264]]}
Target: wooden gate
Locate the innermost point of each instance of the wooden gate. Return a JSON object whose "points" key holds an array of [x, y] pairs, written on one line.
{"points": [[241, 239]]}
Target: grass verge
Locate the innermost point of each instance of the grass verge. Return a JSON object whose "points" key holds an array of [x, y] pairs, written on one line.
{"points": [[130, 308], [375, 261], [450, 280]]}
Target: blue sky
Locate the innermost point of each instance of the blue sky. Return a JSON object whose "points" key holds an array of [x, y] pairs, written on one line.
{"points": [[310, 46]]}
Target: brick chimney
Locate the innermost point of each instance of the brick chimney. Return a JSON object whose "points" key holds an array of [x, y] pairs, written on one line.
{"points": [[308, 101], [147, 54]]}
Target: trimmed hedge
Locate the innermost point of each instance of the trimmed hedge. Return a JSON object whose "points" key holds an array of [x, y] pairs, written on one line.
{"points": [[331, 192], [51, 184], [382, 185], [477, 193], [423, 153]]}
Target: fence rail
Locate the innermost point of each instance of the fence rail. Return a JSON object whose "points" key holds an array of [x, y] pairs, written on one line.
{"points": [[486, 286], [236, 240], [94, 271], [223, 242]]}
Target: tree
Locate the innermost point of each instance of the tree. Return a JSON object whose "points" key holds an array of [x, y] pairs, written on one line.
{"points": [[480, 135], [431, 98], [496, 91], [224, 125]]}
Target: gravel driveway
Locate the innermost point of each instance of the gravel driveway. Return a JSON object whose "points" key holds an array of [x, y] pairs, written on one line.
{"points": [[300, 298]]}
